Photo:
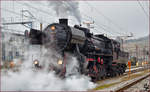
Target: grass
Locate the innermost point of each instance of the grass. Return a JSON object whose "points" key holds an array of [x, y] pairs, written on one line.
{"points": [[105, 86]]}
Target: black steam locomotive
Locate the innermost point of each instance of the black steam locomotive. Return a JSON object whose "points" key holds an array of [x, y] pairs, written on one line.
{"points": [[98, 56]]}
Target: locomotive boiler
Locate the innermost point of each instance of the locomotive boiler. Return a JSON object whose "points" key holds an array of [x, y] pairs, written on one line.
{"points": [[97, 55]]}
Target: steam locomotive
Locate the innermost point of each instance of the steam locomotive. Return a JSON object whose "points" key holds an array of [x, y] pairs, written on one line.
{"points": [[98, 56]]}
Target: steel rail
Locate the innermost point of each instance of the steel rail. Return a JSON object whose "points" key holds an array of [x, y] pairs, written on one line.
{"points": [[121, 89]]}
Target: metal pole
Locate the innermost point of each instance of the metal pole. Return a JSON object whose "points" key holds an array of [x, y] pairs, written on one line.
{"points": [[144, 53], [137, 53], [41, 26], [0, 43], [122, 44], [149, 34], [22, 15]]}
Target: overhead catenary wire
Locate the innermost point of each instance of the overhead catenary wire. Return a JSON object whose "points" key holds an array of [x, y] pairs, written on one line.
{"points": [[99, 26], [104, 29], [143, 8], [37, 9], [102, 26], [48, 13], [108, 19], [13, 12], [96, 24], [11, 30]]}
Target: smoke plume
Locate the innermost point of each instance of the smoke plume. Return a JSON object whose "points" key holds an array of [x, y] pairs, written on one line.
{"points": [[29, 79], [64, 9]]}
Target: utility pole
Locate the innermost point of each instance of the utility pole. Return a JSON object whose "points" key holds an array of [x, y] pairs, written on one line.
{"points": [[28, 24], [122, 38], [122, 44], [137, 53], [144, 53], [41, 26]]}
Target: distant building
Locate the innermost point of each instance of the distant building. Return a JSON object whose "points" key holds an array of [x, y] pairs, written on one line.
{"points": [[13, 46]]}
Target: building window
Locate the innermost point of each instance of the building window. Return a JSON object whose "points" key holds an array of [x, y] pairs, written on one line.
{"points": [[10, 55], [17, 54]]}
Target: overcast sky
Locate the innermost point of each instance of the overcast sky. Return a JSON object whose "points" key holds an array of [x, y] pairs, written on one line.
{"points": [[114, 18]]}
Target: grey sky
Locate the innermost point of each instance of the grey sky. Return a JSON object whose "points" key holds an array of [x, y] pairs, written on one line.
{"points": [[114, 18]]}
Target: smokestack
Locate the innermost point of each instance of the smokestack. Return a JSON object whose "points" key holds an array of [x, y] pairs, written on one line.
{"points": [[63, 21]]}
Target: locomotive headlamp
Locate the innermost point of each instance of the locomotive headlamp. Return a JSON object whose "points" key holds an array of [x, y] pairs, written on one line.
{"points": [[60, 61], [52, 28], [35, 62]]}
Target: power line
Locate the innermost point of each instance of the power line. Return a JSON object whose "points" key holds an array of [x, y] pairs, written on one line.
{"points": [[108, 19], [142, 8], [106, 27], [11, 30], [40, 10], [66, 4], [7, 10], [97, 25], [14, 12]]}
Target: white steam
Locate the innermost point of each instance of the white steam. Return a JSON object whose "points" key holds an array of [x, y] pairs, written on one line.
{"points": [[27, 79], [64, 9]]}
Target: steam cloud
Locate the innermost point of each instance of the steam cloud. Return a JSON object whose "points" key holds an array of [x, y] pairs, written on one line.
{"points": [[28, 79], [66, 8]]}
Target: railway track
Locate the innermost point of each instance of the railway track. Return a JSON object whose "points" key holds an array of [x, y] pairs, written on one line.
{"points": [[119, 89], [126, 73], [128, 85], [137, 70]]}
